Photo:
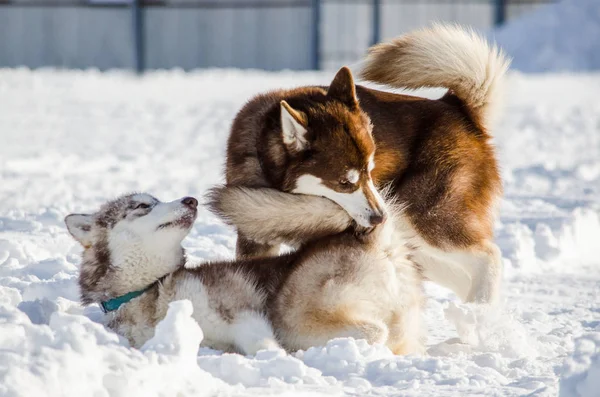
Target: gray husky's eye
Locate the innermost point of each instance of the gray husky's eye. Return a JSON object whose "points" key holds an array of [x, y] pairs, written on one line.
{"points": [[142, 206]]}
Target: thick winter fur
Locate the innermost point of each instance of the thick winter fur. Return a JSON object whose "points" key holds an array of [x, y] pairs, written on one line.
{"points": [[133, 243], [269, 216], [342, 284], [359, 284], [435, 154]]}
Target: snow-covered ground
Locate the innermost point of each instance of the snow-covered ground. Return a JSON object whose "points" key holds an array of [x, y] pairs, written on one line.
{"points": [[71, 140], [556, 37]]}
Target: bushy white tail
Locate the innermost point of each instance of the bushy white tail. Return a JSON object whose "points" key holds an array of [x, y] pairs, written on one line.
{"points": [[445, 56], [267, 215]]}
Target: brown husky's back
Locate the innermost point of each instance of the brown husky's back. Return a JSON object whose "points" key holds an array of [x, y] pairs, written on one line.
{"points": [[435, 154]]}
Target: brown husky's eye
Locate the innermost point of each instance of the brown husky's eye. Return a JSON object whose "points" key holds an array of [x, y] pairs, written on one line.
{"points": [[344, 182]]}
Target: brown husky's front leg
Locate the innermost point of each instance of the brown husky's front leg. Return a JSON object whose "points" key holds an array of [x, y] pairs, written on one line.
{"points": [[246, 249]]}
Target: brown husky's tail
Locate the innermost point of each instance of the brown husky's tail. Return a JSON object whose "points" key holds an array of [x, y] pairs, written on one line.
{"points": [[270, 216], [443, 56]]}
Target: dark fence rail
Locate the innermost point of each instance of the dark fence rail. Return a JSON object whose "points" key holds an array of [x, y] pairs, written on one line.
{"points": [[265, 34]]}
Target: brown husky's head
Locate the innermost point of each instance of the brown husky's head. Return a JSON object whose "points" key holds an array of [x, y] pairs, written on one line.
{"points": [[332, 150]]}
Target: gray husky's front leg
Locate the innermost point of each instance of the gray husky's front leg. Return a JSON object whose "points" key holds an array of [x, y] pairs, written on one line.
{"points": [[253, 332]]}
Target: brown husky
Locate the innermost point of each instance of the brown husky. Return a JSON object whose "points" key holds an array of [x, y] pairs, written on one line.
{"points": [[435, 154]]}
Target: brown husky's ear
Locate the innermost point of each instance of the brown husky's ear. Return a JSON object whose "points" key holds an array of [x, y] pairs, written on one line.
{"points": [[293, 127], [342, 88], [80, 226]]}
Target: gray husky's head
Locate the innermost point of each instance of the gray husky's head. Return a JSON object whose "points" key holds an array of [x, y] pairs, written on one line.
{"points": [[129, 243]]}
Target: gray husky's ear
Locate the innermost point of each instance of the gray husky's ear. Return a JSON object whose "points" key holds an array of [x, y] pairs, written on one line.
{"points": [[293, 127], [80, 227], [343, 89]]}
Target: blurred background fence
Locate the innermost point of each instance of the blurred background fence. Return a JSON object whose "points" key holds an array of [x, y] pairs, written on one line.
{"points": [[189, 34]]}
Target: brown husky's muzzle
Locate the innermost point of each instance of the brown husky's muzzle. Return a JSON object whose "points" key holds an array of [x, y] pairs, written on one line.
{"points": [[363, 204], [378, 214], [374, 211]]}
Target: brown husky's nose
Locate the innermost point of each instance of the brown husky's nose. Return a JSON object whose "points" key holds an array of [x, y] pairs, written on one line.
{"points": [[376, 219], [190, 202]]}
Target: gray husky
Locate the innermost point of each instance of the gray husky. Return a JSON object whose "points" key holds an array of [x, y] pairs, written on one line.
{"points": [[343, 283]]}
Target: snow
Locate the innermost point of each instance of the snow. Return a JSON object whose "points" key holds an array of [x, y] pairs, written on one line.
{"points": [[74, 356], [582, 370], [177, 334], [556, 37], [71, 140]]}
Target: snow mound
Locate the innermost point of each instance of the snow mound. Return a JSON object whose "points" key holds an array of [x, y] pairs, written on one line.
{"points": [[362, 367], [73, 356], [178, 334], [557, 37], [581, 371], [485, 329], [539, 245], [270, 368]]}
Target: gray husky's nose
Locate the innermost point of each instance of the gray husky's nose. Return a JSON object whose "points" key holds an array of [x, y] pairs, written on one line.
{"points": [[376, 219], [190, 202]]}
